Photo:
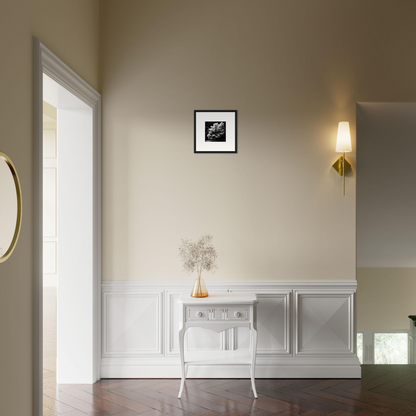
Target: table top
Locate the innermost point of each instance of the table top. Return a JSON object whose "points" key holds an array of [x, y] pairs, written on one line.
{"points": [[229, 298]]}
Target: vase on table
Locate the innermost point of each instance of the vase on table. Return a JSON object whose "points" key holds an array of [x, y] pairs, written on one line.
{"points": [[199, 290]]}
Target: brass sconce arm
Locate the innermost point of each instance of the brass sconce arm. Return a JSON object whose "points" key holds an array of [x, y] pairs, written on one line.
{"points": [[342, 166]]}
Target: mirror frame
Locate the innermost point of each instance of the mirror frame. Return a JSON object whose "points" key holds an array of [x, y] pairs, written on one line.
{"points": [[13, 243]]}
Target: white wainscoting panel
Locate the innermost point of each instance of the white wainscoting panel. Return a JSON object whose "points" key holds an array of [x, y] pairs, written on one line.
{"points": [[132, 324], [306, 329], [324, 323], [172, 322]]}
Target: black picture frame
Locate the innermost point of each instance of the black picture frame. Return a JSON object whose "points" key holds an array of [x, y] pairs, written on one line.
{"points": [[215, 131]]}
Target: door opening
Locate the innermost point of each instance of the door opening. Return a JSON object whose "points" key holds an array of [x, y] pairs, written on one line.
{"points": [[67, 236]]}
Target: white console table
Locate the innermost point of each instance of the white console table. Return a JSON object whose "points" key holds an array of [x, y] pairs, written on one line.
{"points": [[218, 313]]}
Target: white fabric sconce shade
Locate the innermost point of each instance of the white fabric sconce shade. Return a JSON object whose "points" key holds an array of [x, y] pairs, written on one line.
{"points": [[344, 137]]}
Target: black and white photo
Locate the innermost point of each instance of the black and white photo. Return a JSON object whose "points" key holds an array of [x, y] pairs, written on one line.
{"points": [[215, 131]]}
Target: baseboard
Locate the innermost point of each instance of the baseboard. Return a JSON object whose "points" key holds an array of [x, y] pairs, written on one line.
{"points": [[345, 369]]}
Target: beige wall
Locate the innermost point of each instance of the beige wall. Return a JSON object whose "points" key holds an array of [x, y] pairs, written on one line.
{"points": [[70, 29], [386, 296], [292, 70]]}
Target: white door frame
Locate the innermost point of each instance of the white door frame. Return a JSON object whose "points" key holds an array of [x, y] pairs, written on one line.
{"points": [[46, 62]]}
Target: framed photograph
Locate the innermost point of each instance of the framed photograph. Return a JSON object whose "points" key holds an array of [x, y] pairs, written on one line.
{"points": [[215, 131]]}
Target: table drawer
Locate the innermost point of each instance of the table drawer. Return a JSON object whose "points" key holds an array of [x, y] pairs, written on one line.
{"points": [[237, 314], [195, 313]]}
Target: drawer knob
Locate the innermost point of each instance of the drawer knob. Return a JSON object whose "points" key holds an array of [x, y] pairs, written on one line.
{"points": [[237, 314], [199, 314]]}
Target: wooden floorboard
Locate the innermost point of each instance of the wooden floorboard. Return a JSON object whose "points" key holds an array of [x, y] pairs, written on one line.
{"points": [[383, 390], [387, 391]]}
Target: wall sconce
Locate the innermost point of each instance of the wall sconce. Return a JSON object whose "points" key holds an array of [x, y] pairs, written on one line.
{"points": [[343, 145]]}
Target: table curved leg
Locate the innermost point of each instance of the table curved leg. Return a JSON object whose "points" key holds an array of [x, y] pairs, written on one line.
{"points": [[182, 355], [253, 359]]}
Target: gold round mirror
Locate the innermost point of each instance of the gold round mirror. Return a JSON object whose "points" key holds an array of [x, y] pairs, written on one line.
{"points": [[10, 207]]}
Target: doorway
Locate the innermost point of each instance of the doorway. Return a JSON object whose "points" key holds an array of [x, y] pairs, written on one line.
{"points": [[67, 236], [386, 232]]}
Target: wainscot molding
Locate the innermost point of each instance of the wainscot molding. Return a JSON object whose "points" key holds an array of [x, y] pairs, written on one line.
{"points": [[306, 330]]}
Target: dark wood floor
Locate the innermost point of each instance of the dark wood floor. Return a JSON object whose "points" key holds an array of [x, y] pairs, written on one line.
{"points": [[388, 390]]}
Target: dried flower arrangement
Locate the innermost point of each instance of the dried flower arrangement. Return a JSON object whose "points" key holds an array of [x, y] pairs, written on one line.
{"points": [[199, 256]]}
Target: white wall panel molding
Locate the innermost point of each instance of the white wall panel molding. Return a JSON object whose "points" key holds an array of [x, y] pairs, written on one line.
{"points": [[324, 322], [306, 329], [237, 285], [132, 323], [172, 322]]}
